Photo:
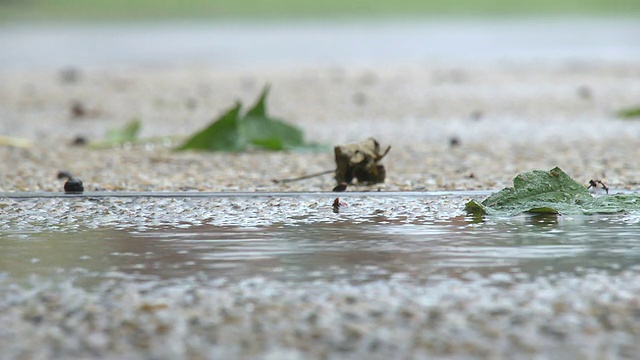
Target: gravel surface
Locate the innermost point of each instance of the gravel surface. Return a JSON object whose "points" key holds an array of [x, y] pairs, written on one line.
{"points": [[501, 316], [505, 119]]}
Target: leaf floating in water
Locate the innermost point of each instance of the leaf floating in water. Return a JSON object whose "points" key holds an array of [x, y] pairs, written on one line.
{"points": [[550, 192]]}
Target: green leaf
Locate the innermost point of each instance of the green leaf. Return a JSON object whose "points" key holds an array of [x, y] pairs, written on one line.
{"points": [[619, 203], [128, 133], [550, 192], [271, 133], [233, 132], [222, 135], [629, 113], [543, 210], [259, 109], [267, 132], [474, 208]]}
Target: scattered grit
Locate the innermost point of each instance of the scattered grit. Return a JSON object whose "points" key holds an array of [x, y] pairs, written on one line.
{"points": [[593, 317], [450, 127]]}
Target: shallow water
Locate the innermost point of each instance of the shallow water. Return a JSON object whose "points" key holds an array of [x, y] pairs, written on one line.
{"points": [[305, 241], [285, 277]]}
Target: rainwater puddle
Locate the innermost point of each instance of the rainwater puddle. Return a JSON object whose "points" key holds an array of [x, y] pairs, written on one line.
{"points": [[307, 242], [387, 277]]}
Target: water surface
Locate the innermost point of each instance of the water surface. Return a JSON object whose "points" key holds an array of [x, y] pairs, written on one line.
{"points": [[303, 247]]}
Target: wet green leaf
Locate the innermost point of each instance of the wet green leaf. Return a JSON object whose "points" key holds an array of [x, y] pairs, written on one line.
{"points": [[222, 135], [550, 192], [233, 132], [267, 132], [259, 109], [629, 113], [272, 134]]}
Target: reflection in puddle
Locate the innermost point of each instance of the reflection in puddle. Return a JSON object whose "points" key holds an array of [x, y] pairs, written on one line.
{"points": [[341, 250]]}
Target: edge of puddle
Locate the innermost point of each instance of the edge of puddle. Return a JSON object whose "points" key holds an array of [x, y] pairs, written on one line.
{"points": [[206, 194]]}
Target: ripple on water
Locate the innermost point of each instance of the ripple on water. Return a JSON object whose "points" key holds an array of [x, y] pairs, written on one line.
{"points": [[298, 238], [291, 279]]}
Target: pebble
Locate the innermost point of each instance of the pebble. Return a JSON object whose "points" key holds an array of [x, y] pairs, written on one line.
{"points": [[73, 186], [64, 174]]}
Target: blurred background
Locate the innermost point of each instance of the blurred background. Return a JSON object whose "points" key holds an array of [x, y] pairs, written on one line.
{"points": [[118, 10], [331, 59], [55, 33]]}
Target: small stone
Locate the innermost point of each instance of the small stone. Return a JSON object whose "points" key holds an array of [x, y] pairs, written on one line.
{"points": [[79, 141], [340, 187], [73, 186], [337, 204], [191, 103], [78, 110], [454, 141], [584, 92], [359, 98], [64, 174], [476, 115], [70, 75]]}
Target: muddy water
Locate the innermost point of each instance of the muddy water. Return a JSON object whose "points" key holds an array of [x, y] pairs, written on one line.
{"points": [[369, 241]]}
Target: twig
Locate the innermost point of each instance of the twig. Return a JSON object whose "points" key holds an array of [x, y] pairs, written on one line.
{"points": [[385, 153], [594, 184], [281, 181]]}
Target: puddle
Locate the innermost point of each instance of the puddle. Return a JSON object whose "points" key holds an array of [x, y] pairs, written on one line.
{"points": [[285, 277], [307, 242]]}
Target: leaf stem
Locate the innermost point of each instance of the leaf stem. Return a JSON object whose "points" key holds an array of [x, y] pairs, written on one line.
{"points": [[282, 181]]}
